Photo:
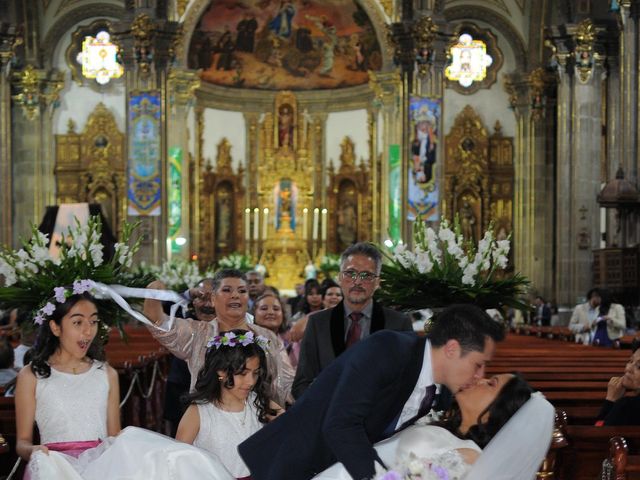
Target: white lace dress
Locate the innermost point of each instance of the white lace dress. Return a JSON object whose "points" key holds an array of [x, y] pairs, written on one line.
{"points": [[426, 442], [73, 408], [221, 432]]}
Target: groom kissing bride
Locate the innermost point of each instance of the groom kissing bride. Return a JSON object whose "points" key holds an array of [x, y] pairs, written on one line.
{"points": [[382, 385]]}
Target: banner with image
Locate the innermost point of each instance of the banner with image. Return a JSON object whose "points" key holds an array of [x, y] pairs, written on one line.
{"points": [[145, 169], [422, 195]]}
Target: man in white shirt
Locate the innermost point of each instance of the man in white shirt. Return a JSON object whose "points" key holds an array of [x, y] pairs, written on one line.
{"points": [[584, 316]]}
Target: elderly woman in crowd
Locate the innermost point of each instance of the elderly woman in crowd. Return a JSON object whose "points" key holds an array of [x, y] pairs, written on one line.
{"points": [[187, 338]]}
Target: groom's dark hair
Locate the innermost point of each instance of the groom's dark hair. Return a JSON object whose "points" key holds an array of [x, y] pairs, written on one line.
{"points": [[468, 324]]}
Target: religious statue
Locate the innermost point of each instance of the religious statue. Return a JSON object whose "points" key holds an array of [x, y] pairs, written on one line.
{"points": [[347, 223], [223, 220], [467, 222], [285, 126], [285, 197]]}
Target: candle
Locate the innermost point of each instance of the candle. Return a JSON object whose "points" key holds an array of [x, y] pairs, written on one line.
{"points": [[256, 223], [316, 215], [247, 223], [305, 221], [324, 224], [265, 226]]}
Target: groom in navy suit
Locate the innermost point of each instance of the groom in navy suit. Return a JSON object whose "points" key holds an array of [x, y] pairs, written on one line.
{"points": [[381, 385]]}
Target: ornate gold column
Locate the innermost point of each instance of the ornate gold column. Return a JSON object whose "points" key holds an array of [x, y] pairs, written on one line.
{"points": [[33, 148], [533, 207], [9, 39], [148, 43]]}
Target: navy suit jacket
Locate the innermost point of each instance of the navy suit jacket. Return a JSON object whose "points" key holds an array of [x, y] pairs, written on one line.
{"points": [[342, 414]]}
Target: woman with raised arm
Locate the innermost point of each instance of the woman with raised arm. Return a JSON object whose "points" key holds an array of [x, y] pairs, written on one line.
{"points": [[187, 339]]}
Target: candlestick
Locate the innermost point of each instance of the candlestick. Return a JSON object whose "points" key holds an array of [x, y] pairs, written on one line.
{"points": [[316, 218], [305, 221], [265, 225], [324, 224], [256, 223], [247, 224]]}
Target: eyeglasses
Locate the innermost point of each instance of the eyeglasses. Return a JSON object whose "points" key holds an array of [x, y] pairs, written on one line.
{"points": [[366, 277]]}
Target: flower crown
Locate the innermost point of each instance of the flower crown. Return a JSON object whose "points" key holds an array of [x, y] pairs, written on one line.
{"points": [[230, 339], [60, 295]]}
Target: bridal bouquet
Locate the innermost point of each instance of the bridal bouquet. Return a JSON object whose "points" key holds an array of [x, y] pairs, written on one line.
{"points": [[445, 466], [31, 274], [443, 268]]}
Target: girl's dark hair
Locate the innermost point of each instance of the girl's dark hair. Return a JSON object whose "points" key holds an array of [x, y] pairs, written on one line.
{"points": [[284, 326], [605, 302], [513, 395], [47, 343], [310, 286], [232, 361]]}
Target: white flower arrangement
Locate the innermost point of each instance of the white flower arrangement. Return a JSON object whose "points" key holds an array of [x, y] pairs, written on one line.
{"points": [[443, 268], [180, 275], [33, 278], [237, 261]]}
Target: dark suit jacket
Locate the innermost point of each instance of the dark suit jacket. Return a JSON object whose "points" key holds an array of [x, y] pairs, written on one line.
{"points": [[324, 337], [342, 414]]}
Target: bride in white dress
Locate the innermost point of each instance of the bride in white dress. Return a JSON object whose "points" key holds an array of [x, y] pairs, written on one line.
{"points": [[478, 441]]}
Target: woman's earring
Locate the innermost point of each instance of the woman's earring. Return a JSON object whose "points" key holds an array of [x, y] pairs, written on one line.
{"points": [[220, 378]]}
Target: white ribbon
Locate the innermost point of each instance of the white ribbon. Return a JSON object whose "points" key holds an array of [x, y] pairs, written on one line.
{"points": [[118, 292]]}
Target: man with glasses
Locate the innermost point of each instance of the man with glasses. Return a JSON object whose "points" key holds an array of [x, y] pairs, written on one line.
{"points": [[330, 332]]}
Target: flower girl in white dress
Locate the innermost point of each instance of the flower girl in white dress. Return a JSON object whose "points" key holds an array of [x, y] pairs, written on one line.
{"points": [[230, 401], [67, 390]]}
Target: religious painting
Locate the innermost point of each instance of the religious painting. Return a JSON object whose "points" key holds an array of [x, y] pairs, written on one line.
{"points": [[285, 44], [422, 201], [285, 197], [347, 218], [144, 154], [224, 214]]}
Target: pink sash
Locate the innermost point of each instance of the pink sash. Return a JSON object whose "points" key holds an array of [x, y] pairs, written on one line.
{"points": [[73, 449]]}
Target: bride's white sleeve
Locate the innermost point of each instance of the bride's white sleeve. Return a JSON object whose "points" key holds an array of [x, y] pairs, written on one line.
{"points": [[526, 437]]}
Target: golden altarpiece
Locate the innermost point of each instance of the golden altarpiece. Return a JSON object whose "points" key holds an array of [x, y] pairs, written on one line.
{"points": [[478, 177], [285, 189], [90, 166], [221, 206], [348, 194]]}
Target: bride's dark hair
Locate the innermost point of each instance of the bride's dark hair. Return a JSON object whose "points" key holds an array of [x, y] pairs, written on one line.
{"points": [[513, 395]]}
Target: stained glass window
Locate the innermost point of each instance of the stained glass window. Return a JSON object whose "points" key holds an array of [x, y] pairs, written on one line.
{"points": [[99, 58], [469, 61]]}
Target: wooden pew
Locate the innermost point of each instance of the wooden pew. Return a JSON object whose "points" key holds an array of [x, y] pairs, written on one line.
{"points": [[620, 465]]}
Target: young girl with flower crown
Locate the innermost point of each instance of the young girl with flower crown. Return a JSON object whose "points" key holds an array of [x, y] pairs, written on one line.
{"points": [[230, 401], [67, 390]]}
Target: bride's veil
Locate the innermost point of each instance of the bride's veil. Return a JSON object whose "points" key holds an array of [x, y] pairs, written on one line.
{"points": [[518, 449]]}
